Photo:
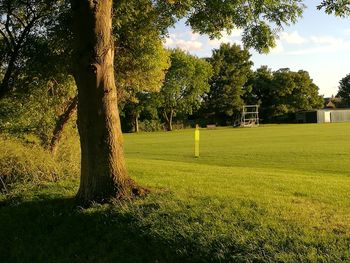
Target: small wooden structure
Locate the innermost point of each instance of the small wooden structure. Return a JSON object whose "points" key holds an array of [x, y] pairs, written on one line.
{"points": [[250, 116]]}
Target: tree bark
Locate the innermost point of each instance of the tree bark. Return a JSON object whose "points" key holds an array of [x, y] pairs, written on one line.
{"points": [[5, 83], [103, 171], [169, 120], [61, 123], [136, 122]]}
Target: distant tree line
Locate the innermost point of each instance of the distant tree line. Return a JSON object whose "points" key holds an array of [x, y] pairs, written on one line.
{"points": [[214, 90]]}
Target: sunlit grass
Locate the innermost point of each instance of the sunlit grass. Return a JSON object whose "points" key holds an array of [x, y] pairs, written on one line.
{"points": [[278, 193]]}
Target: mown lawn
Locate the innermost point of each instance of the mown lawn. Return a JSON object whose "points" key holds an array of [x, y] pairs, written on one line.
{"points": [[278, 193]]}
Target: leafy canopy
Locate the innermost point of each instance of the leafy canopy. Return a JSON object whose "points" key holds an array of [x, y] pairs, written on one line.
{"points": [[185, 82], [282, 91], [141, 60], [336, 7], [260, 20], [231, 66]]}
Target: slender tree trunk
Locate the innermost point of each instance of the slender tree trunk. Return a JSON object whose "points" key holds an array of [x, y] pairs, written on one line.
{"points": [[61, 123], [169, 120], [103, 172], [5, 83], [169, 125], [136, 122]]}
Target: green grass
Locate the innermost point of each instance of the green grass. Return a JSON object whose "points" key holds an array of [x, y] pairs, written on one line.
{"points": [[278, 193]]}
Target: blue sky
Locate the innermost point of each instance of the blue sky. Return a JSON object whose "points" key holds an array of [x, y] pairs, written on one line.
{"points": [[318, 43]]}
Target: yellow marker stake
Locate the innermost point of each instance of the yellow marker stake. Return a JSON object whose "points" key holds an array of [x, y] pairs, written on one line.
{"points": [[196, 141]]}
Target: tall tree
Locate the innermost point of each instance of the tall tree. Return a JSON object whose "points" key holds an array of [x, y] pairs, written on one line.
{"points": [[103, 173], [38, 76], [141, 60], [257, 89], [185, 82], [231, 67], [344, 91], [282, 92], [293, 91], [21, 23]]}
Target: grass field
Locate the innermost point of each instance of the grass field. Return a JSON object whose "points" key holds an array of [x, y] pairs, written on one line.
{"points": [[278, 193]]}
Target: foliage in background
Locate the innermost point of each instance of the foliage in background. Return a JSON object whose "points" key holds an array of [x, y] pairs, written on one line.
{"points": [[281, 92], [185, 83], [257, 88], [141, 60], [344, 91], [24, 25], [36, 110], [337, 7], [260, 20], [232, 67], [39, 86]]}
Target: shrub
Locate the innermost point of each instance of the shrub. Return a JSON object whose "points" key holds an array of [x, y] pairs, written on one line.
{"points": [[25, 162], [68, 154], [151, 126]]}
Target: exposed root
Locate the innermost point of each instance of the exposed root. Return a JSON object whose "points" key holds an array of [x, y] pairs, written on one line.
{"points": [[140, 191], [132, 190]]}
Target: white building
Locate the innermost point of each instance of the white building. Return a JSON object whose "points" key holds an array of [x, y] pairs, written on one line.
{"points": [[323, 116]]}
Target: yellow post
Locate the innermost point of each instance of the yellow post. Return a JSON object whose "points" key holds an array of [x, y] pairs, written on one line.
{"points": [[196, 141]]}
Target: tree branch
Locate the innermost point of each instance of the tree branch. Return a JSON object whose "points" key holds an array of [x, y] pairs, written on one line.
{"points": [[19, 20], [8, 31], [6, 39]]}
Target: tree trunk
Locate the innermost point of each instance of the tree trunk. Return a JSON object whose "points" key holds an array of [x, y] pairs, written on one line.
{"points": [[136, 122], [169, 120], [169, 126], [103, 172], [61, 123], [5, 83]]}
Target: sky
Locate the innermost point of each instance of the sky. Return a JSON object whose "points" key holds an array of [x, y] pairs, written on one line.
{"points": [[318, 43]]}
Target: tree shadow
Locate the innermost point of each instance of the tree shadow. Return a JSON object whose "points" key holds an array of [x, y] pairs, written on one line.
{"points": [[58, 230]]}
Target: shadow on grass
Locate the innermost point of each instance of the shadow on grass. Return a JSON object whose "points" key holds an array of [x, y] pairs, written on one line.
{"points": [[57, 230]]}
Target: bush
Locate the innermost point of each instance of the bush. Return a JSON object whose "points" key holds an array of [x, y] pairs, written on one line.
{"points": [[151, 126], [68, 153], [25, 162]]}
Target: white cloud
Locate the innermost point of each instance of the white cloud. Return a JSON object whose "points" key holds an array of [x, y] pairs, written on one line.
{"points": [[293, 38], [327, 40], [193, 36], [290, 43], [323, 44], [312, 44], [174, 41], [306, 51], [189, 45]]}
